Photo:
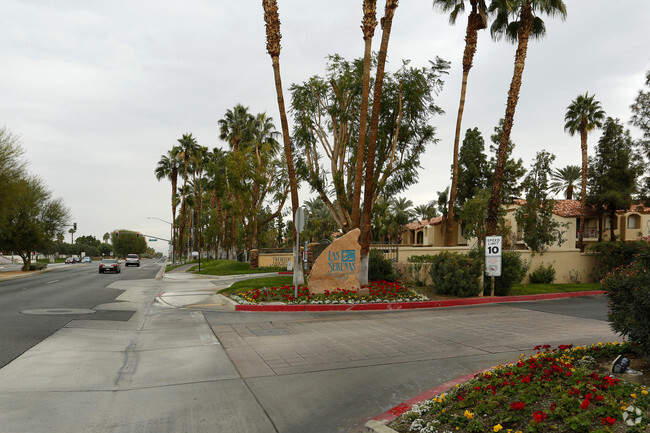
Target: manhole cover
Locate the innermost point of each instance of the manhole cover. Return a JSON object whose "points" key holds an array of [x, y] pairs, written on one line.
{"points": [[59, 311]]}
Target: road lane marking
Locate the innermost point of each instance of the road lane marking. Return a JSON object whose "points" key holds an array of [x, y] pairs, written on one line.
{"points": [[50, 282]]}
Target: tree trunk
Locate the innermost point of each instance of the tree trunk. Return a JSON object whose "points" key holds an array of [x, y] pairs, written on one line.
{"points": [[386, 23], [181, 230], [474, 24], [513, 97], [293, 184], [612, 223], [583, 190], [369, 24]]}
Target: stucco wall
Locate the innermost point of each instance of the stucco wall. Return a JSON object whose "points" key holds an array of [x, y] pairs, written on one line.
{"points": [[569, 265]]}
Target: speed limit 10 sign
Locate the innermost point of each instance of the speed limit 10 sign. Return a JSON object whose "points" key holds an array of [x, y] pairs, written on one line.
{"points": [[493, 246]]}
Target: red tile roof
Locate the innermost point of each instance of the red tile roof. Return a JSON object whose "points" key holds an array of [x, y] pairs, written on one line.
{"points": [[571, 208], [423, 223]]}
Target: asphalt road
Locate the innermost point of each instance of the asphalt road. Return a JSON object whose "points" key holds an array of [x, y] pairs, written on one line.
{"points": [[63, 289]]}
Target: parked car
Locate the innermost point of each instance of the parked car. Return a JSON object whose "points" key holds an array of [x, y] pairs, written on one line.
{"points": [[69, 260], [132, 259], [110, 265], [86, 259]]}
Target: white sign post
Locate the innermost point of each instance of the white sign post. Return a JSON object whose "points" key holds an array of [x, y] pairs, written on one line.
{"points": [[493, 248], [299, 224]]}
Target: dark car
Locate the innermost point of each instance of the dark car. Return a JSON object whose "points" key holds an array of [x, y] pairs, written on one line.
{"points": [[109, 265], [132, 259]]}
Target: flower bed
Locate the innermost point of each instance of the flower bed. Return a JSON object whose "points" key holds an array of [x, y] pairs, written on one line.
{"points": [[551, 391], [379, 292]]}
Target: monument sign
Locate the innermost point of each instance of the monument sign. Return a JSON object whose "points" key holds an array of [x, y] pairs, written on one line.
{"points": [[337, 267]]}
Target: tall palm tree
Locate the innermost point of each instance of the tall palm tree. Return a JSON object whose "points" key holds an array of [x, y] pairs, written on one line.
{"points": [[563, 180], [273, 36], [525, 23], [168, 167], [186, 148], [368, 26], [369, 186], [475, 21], [235, 126], [583, 115]]}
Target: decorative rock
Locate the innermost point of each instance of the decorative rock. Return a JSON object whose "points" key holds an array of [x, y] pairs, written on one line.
{"points": [[338, 266]]}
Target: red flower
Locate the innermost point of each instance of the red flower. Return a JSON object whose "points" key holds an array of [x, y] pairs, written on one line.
{"points": [[525, 379], [608, 420], [585, 404], [539, 416], [518, 405], [553, 406]]}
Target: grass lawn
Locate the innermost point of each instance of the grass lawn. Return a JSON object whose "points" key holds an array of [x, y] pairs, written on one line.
{"points": [[257, 283], [225, 267]]}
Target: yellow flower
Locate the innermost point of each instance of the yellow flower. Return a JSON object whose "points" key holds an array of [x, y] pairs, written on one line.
{"points": [[468, 414], [497, 427], [633, 395], [644, 392]]}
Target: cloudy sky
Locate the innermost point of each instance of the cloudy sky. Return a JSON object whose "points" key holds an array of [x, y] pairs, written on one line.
{"points": [[98, 90]]}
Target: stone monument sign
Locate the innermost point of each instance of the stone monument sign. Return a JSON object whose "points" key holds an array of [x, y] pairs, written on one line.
{"points": [[338, 266]]}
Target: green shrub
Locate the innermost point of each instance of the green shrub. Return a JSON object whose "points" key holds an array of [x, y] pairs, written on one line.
{"points": [[513, 270], [543, 274], [610, 255], [628, 290], [37, 266], [379, 267], [455, 274]]}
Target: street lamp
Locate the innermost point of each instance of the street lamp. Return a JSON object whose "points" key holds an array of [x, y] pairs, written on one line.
{"points": [[171, 236]]}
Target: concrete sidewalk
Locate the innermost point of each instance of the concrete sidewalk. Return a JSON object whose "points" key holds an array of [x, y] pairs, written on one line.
{"points": [[194, 291], [161, 371]]}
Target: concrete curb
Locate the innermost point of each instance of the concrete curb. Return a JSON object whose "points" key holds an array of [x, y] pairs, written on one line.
{"points": [[378, 423], [414, 305]]}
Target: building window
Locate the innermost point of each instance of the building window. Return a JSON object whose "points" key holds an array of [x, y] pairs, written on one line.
{"points": [[608, 223], [633, 222], [420, 240]]}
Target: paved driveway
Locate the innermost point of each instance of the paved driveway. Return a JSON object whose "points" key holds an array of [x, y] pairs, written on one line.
{"points": [[316, 372]]}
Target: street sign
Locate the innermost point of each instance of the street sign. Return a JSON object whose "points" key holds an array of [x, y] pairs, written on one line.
{"points": [[493, 248], [153, 240], [493, 266]]}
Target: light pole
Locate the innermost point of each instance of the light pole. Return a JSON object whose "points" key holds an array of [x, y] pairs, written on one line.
{"points": [[171, 236]]}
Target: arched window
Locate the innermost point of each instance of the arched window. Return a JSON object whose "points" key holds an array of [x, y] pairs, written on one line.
{"points": [[633, 221], [420, 240]]}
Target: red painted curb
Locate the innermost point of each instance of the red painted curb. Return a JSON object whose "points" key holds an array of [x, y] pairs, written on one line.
{"points": [[402, 408], [414, 305]]}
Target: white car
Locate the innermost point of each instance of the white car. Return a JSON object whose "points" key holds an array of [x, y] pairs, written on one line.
{"points": [[132, 259]]}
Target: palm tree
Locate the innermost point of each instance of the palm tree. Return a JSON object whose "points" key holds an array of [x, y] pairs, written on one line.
{"points": [[526, 24], [401, 214], [235, 126], [273, 36], [168, 167], [476, 21], [425, 211], [186, 147], [583, 115], [368, 26], [563, 180], [386, 24]]}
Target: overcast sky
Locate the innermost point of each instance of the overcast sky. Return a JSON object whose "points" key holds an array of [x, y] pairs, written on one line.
{"points": [[98, 90]]}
